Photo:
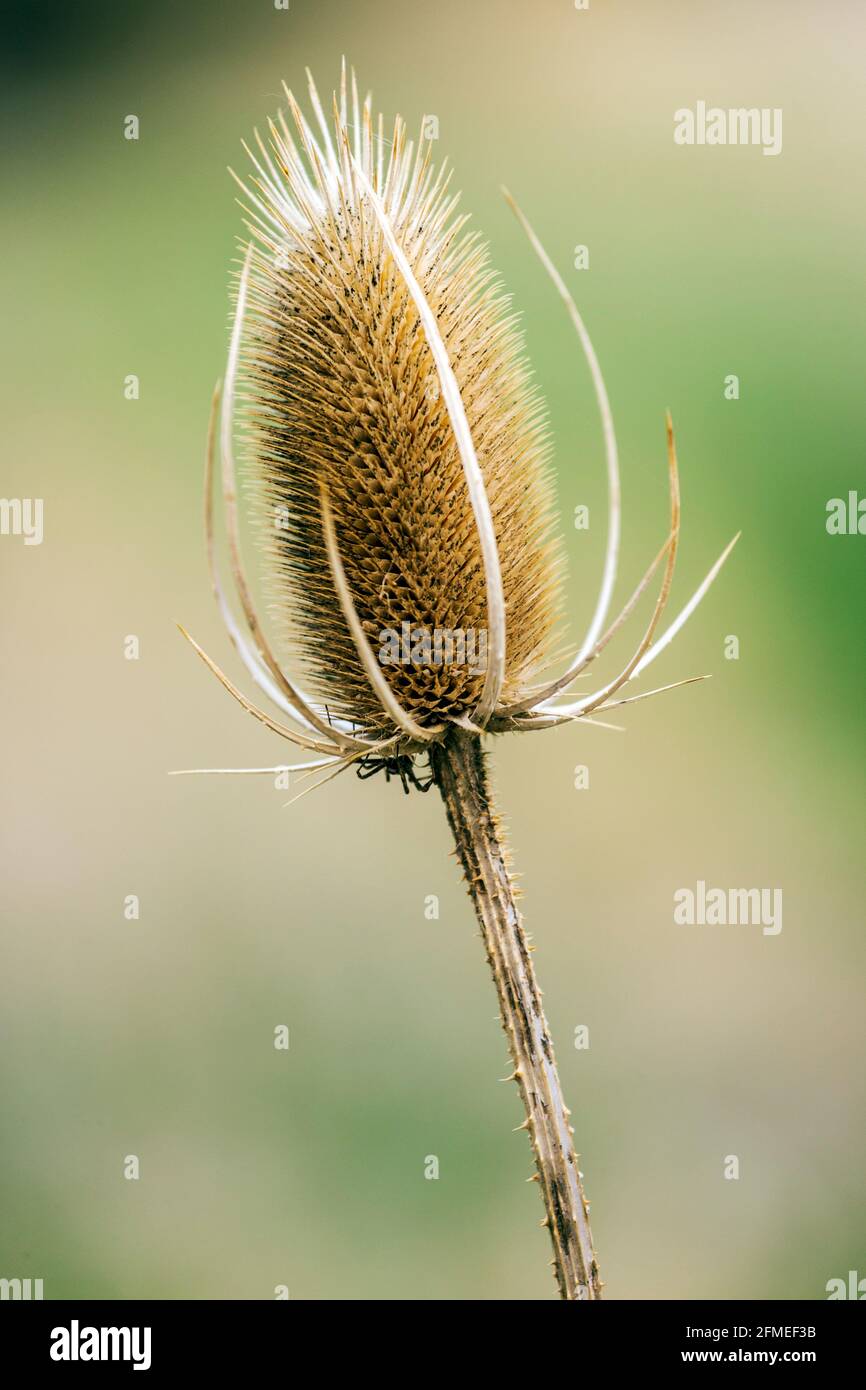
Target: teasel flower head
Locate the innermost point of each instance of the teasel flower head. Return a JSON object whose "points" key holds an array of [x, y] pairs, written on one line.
{"points": [[396, 452], [379, 394]]}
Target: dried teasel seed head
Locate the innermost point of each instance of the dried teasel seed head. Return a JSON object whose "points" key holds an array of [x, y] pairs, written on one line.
{"points": [[341, 408], [399, 461]]}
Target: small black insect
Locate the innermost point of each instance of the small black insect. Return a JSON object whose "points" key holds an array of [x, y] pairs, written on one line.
{"points": [[402, 765]]}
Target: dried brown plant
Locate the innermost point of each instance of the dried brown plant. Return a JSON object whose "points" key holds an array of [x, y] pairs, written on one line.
{"points": [[400, 469]]}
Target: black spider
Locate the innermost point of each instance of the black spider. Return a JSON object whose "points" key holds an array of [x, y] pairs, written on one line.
{"points": [[401, 765]]}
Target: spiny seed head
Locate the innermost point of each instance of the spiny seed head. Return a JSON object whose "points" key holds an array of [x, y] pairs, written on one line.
{"points": [[338, 394], [399, 464]]}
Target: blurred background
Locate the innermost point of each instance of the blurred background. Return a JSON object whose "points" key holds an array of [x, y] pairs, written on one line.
{"points": [[154, 1037]]}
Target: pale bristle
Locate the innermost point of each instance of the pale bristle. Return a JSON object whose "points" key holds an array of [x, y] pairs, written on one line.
{"points": [[337, 388]]}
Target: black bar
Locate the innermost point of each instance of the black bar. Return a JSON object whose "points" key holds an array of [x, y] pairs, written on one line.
{"points": [[219, 1339]]}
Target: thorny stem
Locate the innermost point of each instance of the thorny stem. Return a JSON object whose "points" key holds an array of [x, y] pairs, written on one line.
{"points": [[458, 765]]}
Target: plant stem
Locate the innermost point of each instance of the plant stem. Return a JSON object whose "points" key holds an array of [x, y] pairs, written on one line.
{"points": [[459, 768]]}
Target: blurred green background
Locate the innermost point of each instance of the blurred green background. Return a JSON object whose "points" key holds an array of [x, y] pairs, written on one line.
{"points": [[155, 1037]]}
